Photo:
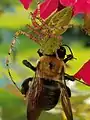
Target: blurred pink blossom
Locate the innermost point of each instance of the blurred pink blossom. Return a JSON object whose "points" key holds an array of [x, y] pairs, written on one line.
{"points": [[46, 7], [79, 6], [26, 3], [84, 73]]}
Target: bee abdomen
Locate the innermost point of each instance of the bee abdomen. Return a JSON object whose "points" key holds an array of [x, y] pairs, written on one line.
{"points": [[51, 94]]}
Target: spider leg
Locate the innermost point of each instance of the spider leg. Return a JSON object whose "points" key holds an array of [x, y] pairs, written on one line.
{"points": [[42, 25], [34, 16], [41, 28], [15, 38], [36, 31], [30, 36], [33, 19], [38, 8], [12, 46]]}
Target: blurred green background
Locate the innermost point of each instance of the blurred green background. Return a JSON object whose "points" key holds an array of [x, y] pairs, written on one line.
{"points": [[14, 17]]}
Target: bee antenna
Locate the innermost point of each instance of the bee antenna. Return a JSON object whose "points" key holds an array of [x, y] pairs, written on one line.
{"points": [[68, 48]]}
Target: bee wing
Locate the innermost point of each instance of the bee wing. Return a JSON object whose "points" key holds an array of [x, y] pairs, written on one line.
{"points": [[33, 108], [34, 92], [65, 101]]}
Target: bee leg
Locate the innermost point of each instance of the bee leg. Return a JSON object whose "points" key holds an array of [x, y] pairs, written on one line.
{"points": [[25, 85], [29, 65], [68, 91], [40, 53], [68, 77]]}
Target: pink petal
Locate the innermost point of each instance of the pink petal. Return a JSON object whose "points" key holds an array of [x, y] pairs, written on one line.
{"points": [[80, 6], [84, 73], [68, 2], [26, 3], [87, 6], [48, 7], [60, 6]]}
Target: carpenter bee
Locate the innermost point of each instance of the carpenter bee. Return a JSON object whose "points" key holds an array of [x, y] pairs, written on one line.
{"points": [[48, 84]]}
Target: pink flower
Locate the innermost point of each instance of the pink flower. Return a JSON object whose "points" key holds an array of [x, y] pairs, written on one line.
{"points": [[79, 6], [26, 3], [48, 7], [84, 73], [68, 2]]}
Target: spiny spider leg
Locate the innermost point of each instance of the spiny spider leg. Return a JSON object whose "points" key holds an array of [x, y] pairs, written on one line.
{"points": [[34, 17], [44, 25], [27, 35], [43, 28], [38, 15], [41, 33], [14, 41], [38, 8], [11, 49], [36, 31]]}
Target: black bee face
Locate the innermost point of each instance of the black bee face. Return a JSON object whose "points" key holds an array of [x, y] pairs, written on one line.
{"points": [[61, 52]]}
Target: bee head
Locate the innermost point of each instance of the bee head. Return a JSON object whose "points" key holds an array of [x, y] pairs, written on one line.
{"points": [[61, 52]]}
